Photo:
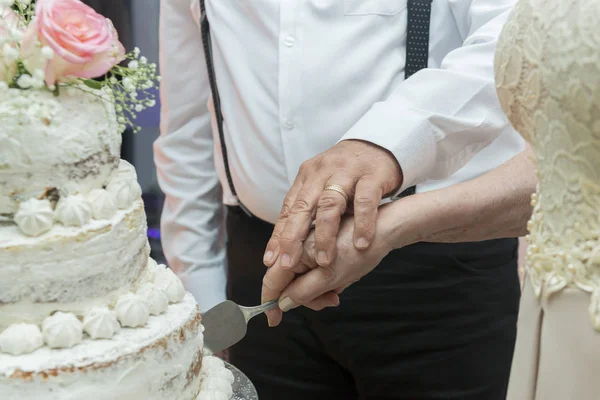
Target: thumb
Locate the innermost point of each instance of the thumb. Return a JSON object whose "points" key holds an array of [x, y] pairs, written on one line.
{"points": [[306, 288]]}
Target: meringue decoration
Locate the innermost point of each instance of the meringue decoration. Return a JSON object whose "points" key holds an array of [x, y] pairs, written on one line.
{"points": [[21, 339], [166, 280], [35, 217], [216, 380], [73, 210], [101, 323], [62, 330], [103, 203], [126, 171], [155, 299], [153, 268], [125, 191], [132, 311]]}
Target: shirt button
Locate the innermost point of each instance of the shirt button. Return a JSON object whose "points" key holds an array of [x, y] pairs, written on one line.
{"points": [[289, 41], [288, 124]]}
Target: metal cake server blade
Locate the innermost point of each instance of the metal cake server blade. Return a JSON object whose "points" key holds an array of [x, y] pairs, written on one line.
{"points": [[226, 324]]}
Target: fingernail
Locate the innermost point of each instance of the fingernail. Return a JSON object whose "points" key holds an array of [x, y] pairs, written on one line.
{"points": [[362, 243], [287, 304], [269, 321], [322, 257], [286, 260], [268, 257]]}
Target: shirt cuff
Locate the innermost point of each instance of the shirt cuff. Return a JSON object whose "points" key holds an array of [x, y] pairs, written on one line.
{"points": [[407, 135], [206, 284]]}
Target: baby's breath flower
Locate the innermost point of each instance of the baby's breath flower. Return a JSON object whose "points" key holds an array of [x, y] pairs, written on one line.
{"points": [[37, 83], [24, 3], [39, 74], [131, 88], [10, 53], [47, 53], [3, 86], [128, 84], [25, 81], [17, 34], [52, 88]]}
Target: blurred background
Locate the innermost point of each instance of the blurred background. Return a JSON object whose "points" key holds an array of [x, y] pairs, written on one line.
{"points": [[137, 24]]}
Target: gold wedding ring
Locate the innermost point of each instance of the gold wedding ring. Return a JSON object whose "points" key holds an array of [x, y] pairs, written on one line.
{"points": [[340, 190]]}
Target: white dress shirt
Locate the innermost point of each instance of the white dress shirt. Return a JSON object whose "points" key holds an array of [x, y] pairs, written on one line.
{"points": [[297, 76]]}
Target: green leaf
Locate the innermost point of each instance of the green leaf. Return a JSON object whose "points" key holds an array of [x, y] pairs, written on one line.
{"points": [[92, 84]]}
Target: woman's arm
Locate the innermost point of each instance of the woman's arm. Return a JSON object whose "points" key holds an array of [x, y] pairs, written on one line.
{"points": [[494, 205]]}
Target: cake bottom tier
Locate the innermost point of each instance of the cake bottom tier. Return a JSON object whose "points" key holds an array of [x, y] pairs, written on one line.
{"points": [[160, 361]]}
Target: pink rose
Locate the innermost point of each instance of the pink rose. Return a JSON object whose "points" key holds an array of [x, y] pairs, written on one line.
{"points": [[85, 44], [9, 20]]}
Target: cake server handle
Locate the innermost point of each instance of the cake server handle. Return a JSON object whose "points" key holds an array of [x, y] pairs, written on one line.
{"points": [[251, 312]]}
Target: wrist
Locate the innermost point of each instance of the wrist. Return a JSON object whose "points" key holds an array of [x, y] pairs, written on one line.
{"points": [[406, 221], [389, 229]]}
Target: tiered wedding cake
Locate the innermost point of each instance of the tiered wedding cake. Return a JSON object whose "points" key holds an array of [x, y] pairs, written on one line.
{"points": [[84, 312]]}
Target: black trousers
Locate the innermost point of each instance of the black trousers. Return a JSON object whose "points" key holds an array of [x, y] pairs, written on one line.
{"points": [[432, 321]]}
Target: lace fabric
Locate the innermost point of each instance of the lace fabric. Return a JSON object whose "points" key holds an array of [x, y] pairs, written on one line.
{"points": [[548, 81]]}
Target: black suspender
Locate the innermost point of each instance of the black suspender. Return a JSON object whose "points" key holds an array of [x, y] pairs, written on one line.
{"points": [[206, 41], [417, 46], [417, 55]]}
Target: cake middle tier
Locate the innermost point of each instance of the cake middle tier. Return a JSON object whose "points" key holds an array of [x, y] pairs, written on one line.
{"points": [[71, 268]]}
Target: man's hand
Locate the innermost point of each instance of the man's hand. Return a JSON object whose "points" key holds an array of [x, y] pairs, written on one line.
{"points": [[315, 286], [365, 171]]}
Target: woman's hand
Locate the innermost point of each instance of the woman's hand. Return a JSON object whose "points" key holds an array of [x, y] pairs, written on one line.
{"points": [[317, 287]]}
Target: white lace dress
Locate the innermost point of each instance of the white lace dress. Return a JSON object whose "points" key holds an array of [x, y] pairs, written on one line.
{"points": [[548, 80]]}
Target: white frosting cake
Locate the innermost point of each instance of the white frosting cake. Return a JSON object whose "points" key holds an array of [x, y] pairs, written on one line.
{"points": [[84, 312], [69, 142]]}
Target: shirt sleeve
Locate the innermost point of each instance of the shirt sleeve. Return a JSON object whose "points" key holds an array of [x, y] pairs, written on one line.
{"points": [[439, 118], [192, 224]]}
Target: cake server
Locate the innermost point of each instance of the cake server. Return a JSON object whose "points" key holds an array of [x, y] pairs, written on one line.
{"points": [[226, 324]]}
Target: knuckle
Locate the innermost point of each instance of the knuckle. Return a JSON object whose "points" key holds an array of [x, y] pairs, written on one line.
{"points": [[328, 203], [285, 211], [306, 166], [364, 201], [364, 226], [301, 206], [324, 239], [366, 230], [268, 282], [339, 162]]}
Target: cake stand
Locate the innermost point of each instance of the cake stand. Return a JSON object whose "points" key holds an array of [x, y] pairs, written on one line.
{"points": [[243, 389]]}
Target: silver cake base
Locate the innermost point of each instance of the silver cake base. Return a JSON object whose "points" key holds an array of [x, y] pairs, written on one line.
{"points": [[243, 389]]}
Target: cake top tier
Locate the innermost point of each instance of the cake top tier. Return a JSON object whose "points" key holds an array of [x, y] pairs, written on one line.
{"points": [[64, 99], [69, 143]]}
